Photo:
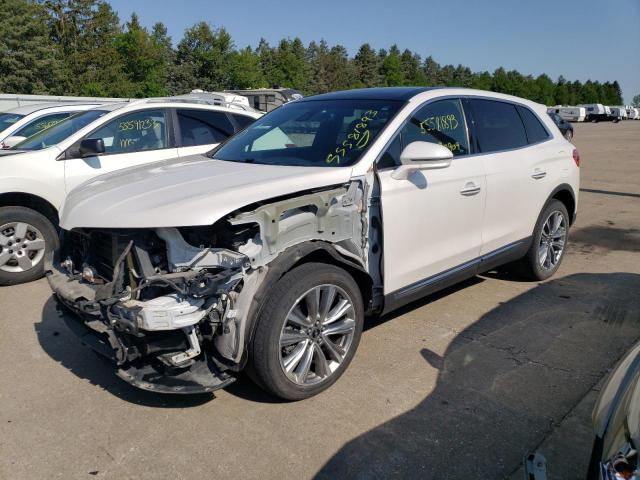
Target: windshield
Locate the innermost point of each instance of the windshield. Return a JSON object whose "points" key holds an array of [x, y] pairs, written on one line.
{"points": [[322, 133], [8, 119], [60, 131]]}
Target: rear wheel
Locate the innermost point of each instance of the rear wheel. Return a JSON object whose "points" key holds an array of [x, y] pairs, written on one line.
{"points": [[549, 241], [307, 332], [25, 237]]}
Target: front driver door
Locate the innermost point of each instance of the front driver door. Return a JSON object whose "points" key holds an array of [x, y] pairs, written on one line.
{"points": [[135, 138], [432, 221]]}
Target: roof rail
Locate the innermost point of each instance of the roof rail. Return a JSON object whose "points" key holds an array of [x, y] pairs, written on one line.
{"points": [[200, 97]]}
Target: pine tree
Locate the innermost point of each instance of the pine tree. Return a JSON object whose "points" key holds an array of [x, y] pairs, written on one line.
{"points": [[366, 65], [29, 62], [392, 68]]}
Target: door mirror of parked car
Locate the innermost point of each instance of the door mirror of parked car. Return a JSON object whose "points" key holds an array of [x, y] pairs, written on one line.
{"points": [[91, 146], [422, 156], [12, 141]]}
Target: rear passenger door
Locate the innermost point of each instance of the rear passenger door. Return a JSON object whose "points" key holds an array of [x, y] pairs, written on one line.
{"points": [[199, 130], [513, 145]]}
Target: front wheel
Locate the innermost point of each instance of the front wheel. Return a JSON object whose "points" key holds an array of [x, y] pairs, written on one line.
{"points": [[549, 241], [307, 331], [25, 237]]}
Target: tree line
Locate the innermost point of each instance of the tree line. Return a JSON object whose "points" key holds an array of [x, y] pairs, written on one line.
{"points": [[79, 47]]}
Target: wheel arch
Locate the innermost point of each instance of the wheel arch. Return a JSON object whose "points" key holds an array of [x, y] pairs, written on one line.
{"points": [[305, 252], [34, 202], [564, 193]]}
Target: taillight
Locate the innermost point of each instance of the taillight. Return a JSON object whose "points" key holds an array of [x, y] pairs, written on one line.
{"points": [[576, 157]]}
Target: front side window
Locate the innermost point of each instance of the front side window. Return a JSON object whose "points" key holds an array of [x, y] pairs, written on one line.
{"points": [[8, 119], [203, 127], [440, 122], [41, 123], [60, 131], [498, 125], [532, 125], [317, 133], [134, 132]]}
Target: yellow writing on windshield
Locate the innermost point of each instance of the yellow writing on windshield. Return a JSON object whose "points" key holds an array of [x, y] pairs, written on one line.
{"points": [[357, 138], [47, 124]]}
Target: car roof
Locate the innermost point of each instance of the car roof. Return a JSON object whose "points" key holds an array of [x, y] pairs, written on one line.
{"points": [[145, 104], [28, 109], [377, 93]]}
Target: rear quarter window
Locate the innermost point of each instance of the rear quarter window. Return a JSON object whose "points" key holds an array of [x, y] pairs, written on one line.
{"points": [[498, 126], [533, 126]]}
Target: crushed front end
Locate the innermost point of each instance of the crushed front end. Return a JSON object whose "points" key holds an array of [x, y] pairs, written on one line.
{"points": [[152, 302]]}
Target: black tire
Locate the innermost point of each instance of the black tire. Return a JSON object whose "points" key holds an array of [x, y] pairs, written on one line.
{"points": [[531, 266], [265, 351], [9, 215]]}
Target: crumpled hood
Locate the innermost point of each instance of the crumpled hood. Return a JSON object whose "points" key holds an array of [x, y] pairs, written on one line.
{"points": [[191, 191]]}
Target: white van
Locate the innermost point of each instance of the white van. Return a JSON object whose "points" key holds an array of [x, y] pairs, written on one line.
{"points": [[633, 113], [570, 114]]}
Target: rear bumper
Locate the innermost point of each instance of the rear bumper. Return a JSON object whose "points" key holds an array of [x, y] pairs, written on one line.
{"points": [[147, 372]]}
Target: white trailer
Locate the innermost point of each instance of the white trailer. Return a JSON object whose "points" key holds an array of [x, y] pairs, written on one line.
{"points": [[618, 113], [9, 101], [570, 114], [633, 113], [596, 112]]}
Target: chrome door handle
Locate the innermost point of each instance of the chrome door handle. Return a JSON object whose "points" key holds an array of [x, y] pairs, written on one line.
{"points": [[538, 174], [470, 189]]}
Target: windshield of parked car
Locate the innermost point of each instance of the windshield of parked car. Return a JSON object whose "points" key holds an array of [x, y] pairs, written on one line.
{"points": [[8, 119], [60, 131], [316, 133]]}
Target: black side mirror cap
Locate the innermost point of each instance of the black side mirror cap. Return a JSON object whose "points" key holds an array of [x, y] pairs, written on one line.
{"points": [[91, 146]]}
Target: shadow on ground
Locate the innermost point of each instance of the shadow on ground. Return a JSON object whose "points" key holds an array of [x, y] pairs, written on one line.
{"points": [[503, 383]]}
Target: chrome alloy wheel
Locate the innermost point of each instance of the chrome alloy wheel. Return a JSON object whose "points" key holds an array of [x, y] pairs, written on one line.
{"points": [[22, 247], [552, 240], [317, 334]]}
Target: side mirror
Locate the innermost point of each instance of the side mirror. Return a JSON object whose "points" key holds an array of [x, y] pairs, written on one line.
{"points": [[12, 141], [91, 146], [422, 156]]}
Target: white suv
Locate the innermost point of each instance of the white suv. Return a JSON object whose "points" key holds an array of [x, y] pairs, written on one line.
{"points": [[270, 251], [38, 172]]}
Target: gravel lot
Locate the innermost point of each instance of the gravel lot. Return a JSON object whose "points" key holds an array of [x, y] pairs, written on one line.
{"points": [[462, 384]]}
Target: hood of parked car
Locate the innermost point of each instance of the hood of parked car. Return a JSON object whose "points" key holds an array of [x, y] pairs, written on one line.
{"points": [[191, 191]]}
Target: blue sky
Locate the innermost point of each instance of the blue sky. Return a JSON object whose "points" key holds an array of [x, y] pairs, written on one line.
{"points": [[580, 39]]}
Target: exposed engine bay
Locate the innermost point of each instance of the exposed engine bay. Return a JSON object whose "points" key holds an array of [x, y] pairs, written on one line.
{"points": [[172, 306]]}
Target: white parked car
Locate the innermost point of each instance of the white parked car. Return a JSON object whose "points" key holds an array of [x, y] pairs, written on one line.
{"points": [[38, 172], [20, 123], [270, 250]]}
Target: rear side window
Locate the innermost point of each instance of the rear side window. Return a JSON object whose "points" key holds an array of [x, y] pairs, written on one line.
{"points": [[498, 126], [534, 128], [243, 120], [40, 124], [203, 127], [439, 122]]}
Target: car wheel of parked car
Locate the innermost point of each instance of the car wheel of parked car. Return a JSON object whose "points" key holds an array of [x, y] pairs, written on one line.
{"points": [[25, 237], [549, 241], [307, 331], [568, 135]]}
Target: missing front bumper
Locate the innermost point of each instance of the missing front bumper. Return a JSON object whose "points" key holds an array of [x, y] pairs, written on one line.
{"points": [[202, 375]]}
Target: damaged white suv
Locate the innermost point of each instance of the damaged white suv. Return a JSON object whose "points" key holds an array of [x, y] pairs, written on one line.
{"points": [[269, 251]]}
